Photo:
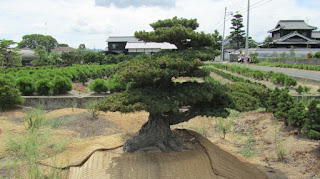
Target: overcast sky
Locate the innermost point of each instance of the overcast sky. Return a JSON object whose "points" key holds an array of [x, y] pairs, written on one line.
{"points": [[92, 21]]}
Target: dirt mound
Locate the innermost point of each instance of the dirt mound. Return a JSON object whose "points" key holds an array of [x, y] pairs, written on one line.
{"points": [[207, 161]]}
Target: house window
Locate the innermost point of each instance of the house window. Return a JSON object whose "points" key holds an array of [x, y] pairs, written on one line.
{"points": [[304, 33], [115, 46]]}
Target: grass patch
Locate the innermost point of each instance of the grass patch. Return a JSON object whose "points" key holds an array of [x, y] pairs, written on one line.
{"points": [[24, 150], [248, 149]]}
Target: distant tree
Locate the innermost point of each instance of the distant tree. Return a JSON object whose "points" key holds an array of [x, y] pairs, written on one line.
{"points": [[63, 45], [217, 40], [74, 57], [34, 40], [91, 56], [42, 56], [237, 33], [82, 47], [8, 54], [54, 58], [252, 43], [267, 41], [180, 32]]}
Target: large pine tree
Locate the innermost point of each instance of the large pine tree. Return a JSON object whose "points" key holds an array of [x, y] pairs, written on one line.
{"points": [[180, 32], [151, 85], [237, 34]]}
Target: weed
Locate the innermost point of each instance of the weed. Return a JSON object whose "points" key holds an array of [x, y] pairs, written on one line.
{"points": [[92, 109], [281, 150], [280, 147], [35, 117], [224, 125], [30, 147], [248, 150]]}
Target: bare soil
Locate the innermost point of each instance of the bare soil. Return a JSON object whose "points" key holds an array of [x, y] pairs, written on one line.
{"points": [[300, 159]]}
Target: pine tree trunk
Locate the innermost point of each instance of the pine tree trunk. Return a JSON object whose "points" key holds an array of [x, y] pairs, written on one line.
{"points": [[155, 132]]}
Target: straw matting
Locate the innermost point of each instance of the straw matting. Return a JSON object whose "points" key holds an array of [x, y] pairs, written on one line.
{"points": [[208, 162], [76, 154]]}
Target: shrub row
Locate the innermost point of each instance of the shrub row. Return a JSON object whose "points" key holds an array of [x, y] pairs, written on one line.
{"points": [[276, 78], [305, 117], [52, 80], [246, 96], [283, 65]]}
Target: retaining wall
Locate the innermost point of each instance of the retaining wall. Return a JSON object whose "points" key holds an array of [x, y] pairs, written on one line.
{"points": [[59, 102], [310, 61]]}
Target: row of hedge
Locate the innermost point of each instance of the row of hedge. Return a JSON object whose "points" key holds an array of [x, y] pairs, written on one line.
{"points": [[296, 66], [52, 80], [247, 95], [276, 78]]}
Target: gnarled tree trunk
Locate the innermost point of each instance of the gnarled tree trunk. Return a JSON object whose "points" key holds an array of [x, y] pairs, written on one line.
{"points": [[155, 132]]}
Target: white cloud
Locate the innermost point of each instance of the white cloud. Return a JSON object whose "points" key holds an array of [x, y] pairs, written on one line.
{"points": [[80, 21]]}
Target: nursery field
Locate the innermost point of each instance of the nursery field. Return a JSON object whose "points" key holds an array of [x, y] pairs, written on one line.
{"points": [[254, 137], [266, 126]]}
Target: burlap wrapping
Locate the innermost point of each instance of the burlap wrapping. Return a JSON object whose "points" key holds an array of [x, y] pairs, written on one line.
{"points": [[209, 162]]}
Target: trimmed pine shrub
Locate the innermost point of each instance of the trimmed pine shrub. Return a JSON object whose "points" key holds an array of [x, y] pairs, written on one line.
{"points": [[98, 86], [113, 84], [43, 86], [289, 81], [60, 85], [83, 77], [25, 85], [246, 97], [316, 55], [9, 95], [312, 122]]}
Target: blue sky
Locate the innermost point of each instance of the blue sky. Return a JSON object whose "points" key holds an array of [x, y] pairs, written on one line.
{"points": [[83, 21]]}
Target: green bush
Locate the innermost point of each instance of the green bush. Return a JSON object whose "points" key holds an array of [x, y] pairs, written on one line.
{"points": [[285, 102], [278, 78], [255, 59], [114, 85], [299, 89], [25, 85], [312, 134], [98, 86], [60, 85], [246, 97], [312, 122], [258, 75], [42, 86], [290, 81], [316, 55], [83, 77], [9, 95], [297, 115]]}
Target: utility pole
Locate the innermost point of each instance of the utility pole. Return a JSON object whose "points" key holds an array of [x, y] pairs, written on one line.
{"points": [[45, 24], [247, 39], [224, 26]]}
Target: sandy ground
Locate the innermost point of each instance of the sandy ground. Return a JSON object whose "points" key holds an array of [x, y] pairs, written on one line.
{"points": [[255, 136]]}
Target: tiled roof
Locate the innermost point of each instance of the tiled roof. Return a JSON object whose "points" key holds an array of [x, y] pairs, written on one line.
{"points": [[26, 52], [292, 25], [122, 39], [150, 45], [295, 33], [63, 49]]}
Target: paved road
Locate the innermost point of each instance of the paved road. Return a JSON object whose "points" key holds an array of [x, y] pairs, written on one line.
{"points": [[312, 75]]}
